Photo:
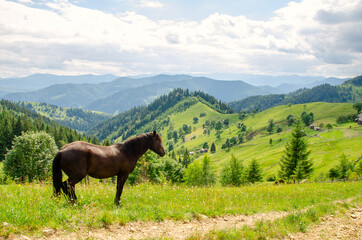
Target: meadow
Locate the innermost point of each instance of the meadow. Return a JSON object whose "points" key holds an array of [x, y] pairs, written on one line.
{"points": [[29, 208]]}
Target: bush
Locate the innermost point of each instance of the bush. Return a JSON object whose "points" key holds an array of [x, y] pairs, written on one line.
{"points": [[200, 173], [31, 157], [155, 169], [346, 118]]}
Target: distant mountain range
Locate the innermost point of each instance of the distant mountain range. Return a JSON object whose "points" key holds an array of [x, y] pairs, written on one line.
{"points": [[124, 93], [113, 95], [38, 81]]}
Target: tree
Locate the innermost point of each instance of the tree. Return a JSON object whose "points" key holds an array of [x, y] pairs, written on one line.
{"points": [[231, 174], [186, 160], [290, 120], [196, 120], [31, 157], [270, 127], [344, 166], [358, 107], [218, 125], [296, 152], [205, 145], [329, 126], [254, 173], [271, 141], [333, 173], [200, 173], [241, 137], [213, 148], [308, 119]]}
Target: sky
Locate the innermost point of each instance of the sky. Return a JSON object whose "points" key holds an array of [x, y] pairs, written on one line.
{"points": [[145, 37]]}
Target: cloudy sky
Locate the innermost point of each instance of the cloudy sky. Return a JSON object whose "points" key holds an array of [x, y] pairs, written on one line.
{"points": [[135, 37]]}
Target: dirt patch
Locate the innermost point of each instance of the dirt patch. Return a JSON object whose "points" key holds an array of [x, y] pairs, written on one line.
{"points": [[346, 225], [168, 228]]}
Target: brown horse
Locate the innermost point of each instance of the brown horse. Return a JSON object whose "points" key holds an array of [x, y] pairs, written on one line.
{"points": [[79, 159]]}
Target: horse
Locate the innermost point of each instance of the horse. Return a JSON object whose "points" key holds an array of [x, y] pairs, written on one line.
{"points": [[79, 159]]}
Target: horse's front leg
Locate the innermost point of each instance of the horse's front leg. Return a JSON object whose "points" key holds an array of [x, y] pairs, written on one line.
{"points": [[121, 179]]}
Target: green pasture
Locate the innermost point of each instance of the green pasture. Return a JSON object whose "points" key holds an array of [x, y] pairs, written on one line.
{"points": [[29, 208]]}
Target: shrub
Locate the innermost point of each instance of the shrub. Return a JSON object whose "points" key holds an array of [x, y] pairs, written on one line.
{"points": [[155, 169], [346, 118], [31, 157]]}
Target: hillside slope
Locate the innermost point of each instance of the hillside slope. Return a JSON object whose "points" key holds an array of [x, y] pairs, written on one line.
{"points": [[76, 118], [349, 91], [130, 122]]}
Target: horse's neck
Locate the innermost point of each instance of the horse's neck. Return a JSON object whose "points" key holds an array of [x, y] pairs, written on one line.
{"points": [[137, 148]]}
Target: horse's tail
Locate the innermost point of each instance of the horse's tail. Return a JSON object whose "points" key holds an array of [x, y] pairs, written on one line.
{"points": [[57, 174]]}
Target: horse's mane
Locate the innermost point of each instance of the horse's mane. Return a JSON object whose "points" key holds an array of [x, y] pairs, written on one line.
{"points": [[136, 144]]}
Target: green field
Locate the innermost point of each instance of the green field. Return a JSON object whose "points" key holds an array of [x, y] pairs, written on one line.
{"points": [[29, 208]]}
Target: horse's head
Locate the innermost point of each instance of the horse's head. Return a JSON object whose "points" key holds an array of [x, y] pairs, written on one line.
{"points": [[156, 144]]}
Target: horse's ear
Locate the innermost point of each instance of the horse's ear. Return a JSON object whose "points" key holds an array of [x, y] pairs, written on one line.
{"points": [[154, 133]]}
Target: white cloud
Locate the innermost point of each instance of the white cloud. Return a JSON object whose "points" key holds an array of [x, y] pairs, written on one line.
{"points": [[150, 4], [314, 37]]}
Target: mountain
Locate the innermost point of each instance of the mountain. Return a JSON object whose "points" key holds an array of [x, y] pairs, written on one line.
{"points": [[262, 80], [124, 93], [38, 81], [129, 123], [349, 91]]}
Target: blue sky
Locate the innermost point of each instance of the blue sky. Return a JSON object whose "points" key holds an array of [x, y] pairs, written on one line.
{"points": [[137, 37], [191, 9]]}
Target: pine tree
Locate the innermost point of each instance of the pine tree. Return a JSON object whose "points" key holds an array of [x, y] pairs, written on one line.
{"points": [[254, 173], [186, 160], [270, 127], [296, 152], [213, 148], [231, 174]]}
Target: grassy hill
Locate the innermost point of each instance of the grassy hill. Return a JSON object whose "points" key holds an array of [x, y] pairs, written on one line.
{"points": [[326, 146], [79, 119], [349, 91]]}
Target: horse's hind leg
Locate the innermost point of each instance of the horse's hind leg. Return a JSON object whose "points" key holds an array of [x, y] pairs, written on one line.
{"points": [[69, 187]]}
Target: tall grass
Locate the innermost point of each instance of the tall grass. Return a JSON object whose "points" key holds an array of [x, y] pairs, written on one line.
{"points": [[31, 207]]}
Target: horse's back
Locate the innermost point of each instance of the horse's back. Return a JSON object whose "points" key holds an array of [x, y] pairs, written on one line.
{"points": [[97, 161]]}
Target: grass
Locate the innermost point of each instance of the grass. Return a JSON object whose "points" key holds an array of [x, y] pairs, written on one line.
{"points": [[29, 208]]}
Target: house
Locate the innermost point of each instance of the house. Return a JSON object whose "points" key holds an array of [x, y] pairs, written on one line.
{"points": [[204, 150], [359, 119]]}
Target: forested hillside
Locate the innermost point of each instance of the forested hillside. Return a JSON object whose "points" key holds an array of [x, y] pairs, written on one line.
{"points": [[129, 122], [349, 91], [15, 119], [76, 118]]}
